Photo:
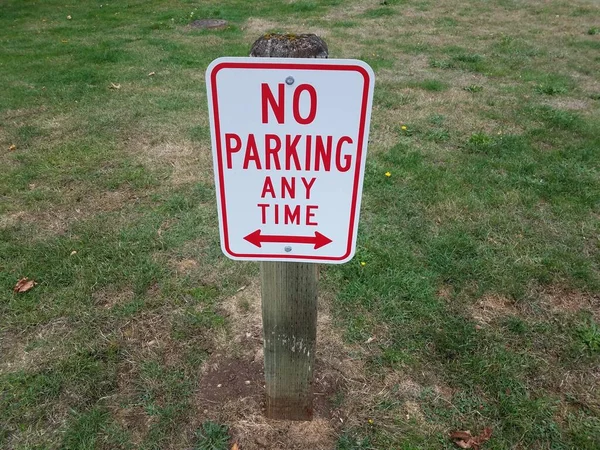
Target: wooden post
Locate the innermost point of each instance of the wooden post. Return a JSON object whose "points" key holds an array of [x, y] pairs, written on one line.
{"points": [[289, 311], [289, 290]]}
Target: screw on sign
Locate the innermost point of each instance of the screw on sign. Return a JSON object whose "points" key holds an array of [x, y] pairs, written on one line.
{"points": [[289, 141]]}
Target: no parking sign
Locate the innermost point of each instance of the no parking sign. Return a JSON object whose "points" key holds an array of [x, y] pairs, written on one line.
{"points": [[289, 140]]}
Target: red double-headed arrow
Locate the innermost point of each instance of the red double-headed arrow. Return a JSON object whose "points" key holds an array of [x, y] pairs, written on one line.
{"points": [[319, 240]]}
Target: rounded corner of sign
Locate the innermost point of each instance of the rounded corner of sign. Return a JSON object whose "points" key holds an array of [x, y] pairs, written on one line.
{"points": [[365, 69], [213, 67], [345, 258], [229, 253]]}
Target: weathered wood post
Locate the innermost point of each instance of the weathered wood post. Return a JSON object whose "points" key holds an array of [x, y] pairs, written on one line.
{"points": [[289, 289]]}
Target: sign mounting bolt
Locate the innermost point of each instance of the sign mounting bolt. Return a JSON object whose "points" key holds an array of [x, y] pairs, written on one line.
{"points": [[287, 248], [289, 81]]}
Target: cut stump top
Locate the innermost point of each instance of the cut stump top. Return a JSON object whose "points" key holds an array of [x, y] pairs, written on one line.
{"points": [[273, 45], [208, 24]]}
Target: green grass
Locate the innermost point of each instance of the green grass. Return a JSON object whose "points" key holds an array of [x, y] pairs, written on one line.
{"points": [[432, 85], [481, 255], [212, 436]]}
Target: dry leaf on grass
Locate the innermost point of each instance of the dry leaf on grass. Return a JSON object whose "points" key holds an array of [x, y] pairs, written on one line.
{"points": [[24, 285], [464, 439], [114, 86], [235, 446], [12, 148], [151, 74]]}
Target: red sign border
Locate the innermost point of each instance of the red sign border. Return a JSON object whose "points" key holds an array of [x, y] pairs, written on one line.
{"points": [[360, 144]]}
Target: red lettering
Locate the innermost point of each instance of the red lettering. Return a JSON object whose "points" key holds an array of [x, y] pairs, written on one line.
{"points": [[323, 154], [268, 99], [338, 155], [263, 207], [291, 152], [291, 217], [310, 214], [230, 148], [272, 147], [268, 188], [307, 155], [276, 214], [312, 93], [308, 186], [289, 186], [252, 153]]}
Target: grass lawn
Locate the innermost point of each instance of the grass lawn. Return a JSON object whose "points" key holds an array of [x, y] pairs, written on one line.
{"points": [[474, 298]]}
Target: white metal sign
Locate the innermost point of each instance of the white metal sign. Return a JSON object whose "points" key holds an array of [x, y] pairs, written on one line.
{"points": [[289, 140]]}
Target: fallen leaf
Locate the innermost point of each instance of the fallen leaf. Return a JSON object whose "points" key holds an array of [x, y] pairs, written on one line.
{"points": [[24, 285], [151, 74], [114, 86], [464, 439], [12, 148], [235, 446], [69, 17], [74, 252], [485, 435], [371, 339]]}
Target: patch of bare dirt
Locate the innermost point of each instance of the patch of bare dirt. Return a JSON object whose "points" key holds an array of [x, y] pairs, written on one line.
{"points": [[491, 307], [228, 379]]}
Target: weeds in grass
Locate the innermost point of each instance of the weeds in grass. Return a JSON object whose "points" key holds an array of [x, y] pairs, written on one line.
{"points": [[550, 89], [473, 88], [589, 333], [432, 85], [441, 63], [212, 436]]}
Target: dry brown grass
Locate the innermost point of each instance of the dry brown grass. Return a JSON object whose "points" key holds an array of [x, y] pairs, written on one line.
{"points": [[33, 349], [559, 300], [58, 219], [491, 307], [187, 162]]}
